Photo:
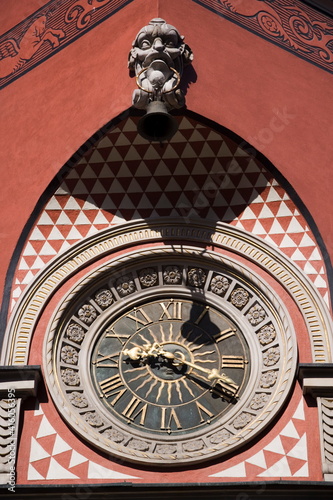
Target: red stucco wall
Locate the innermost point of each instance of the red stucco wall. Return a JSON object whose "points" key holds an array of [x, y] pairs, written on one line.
{"points": [[243, 82]]}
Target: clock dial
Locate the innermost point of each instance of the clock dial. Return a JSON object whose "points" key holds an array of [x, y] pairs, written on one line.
{"points": [[170, 366]]}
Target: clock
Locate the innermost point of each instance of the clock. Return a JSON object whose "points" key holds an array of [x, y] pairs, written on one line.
{"points": [[169, 359], [170, 367]]}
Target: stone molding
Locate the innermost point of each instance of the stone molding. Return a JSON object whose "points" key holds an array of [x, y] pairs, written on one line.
{"points": [[35, 297]]}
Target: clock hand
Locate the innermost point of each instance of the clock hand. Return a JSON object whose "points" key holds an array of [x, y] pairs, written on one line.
{"points": [[211, 374]]}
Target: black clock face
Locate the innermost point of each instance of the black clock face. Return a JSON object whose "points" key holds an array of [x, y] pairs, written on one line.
{"points": [[170, 366]]}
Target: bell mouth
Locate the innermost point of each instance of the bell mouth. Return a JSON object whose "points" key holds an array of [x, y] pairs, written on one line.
{"points": [[157, 125]]}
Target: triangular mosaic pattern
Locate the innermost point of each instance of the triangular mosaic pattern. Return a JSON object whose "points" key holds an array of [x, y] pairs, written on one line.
{"points": [[286, 456], [51, 458], [200, 173]]}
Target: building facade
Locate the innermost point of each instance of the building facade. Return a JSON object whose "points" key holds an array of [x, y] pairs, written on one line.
{"points": [[166, 308]]}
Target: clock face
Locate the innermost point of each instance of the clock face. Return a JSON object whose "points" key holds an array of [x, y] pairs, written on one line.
{"points": [[172, 363], [170, 366]]}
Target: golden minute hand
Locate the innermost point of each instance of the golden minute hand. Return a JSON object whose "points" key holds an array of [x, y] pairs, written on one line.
{"points": [[211, 374]]}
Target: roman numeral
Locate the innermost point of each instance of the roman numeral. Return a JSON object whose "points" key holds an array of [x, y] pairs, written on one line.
{"points": [[119, 336], [100, 358], [201, 410], [171, 310], [229, 332], [169, 417], [233, 361], [203, 313], [132, 407], [112, 386], [140, 316]]}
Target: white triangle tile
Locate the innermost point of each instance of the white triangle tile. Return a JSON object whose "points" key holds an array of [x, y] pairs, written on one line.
{"points": [[45, 428], [327, 299], [80, 188], [62, 190], [23, 266], [129, 126], [170, 152], [315, 255], [118, 219], [134, 187], [73, 173], [309, 269], [33, 474], [224, 151], [257, 198], [92, 230], [96, 471], [306, 241], [63, 219], [98, 188], [47, 249], [276, 228], [151, 154], [81, 219], [270, 240], [64, 246], [275, 446], [235, 471], [38, 264], [116, 156], [189, 152], [300, 450], [152, 187], [290, 431], [161, 169], [106, 172], [55, 235], [100, 218], [303, 471], [72, 204], [287, 242], [237, 199], [258, 459], [229, 215], [57, 471], [207, 151], [297, 255], [240, 152], [320, 282], [17, 292], [105, 142], [258, 229], [60, 446], [163, 202], [145, 202], [172, 186], [299, 413], [182, 170], [37, 235], [29, 250], [76, 459], [191, 185], [279, 469], [252, 167], [295, 226], [96, 157], [126, 203], [262, 182], [122, 140], [74, 234], [220, 201], [45, 219], [28, 278], [38, 409], [212, 136], [37, 452], [273, 195], [211, 215], [142, 170], [88, 172], [266, 213], [107, 204], [245, 182], [185, 124], [197, 137], [53, 204], [284, 211]]}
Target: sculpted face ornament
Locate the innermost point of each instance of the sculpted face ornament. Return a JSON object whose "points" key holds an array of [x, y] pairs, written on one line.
{"points": [[157, 58]]}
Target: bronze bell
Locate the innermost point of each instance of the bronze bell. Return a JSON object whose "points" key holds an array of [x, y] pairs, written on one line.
{"points": [[157, 124]]}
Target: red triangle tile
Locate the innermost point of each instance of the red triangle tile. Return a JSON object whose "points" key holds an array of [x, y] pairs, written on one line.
{"points": [[80, 470], [295, 464], [271, 458], [104, 152], [252, 471], [42, 466], [53, 214], [288, 443], [56, 245], [64, 458], [37, 245], [300, 426], [47, 442]]}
